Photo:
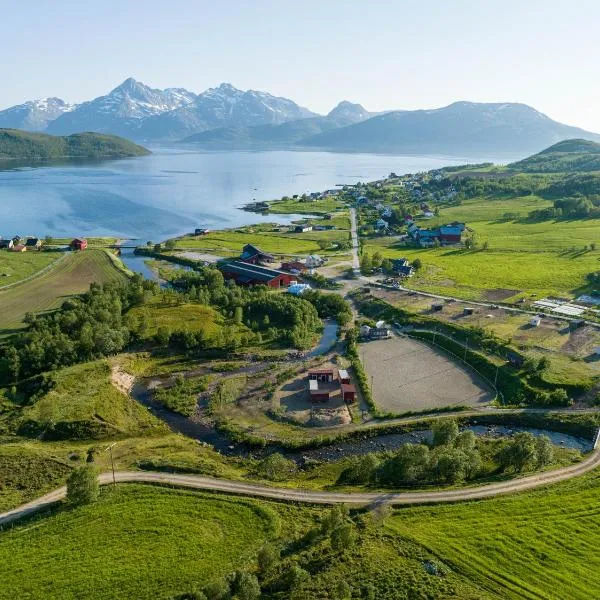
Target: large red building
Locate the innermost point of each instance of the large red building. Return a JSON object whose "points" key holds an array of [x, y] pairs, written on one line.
{"points": [[248, 274]]}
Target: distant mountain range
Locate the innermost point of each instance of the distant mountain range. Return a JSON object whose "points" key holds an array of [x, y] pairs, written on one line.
{"points": [[226, 117]]}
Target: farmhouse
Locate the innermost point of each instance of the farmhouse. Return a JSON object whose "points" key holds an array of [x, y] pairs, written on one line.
{"points": [[6, 244], [201, 231], [253, 255], [33, 243], [251, 274], [78, 244], [302, 228], [402, 267], [445, 234]]}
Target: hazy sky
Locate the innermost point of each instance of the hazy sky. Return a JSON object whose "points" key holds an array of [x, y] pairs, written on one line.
{"points": [[394, 54]]}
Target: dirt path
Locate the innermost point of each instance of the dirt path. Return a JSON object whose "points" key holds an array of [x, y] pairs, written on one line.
{"points": [[354, 236], [314, 497]]}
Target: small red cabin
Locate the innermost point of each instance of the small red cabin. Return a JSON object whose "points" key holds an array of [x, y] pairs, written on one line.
{"points": [[348, 392], [78, 244], [321, 374]]}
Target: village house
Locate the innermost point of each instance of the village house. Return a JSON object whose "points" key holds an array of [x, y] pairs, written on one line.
{"points": [[445, 234], [402, 267], [6, 244], [201, 231], [78, 244], [302, 228], [297, 289], [33, 243], [253, 255], [251, 274]]}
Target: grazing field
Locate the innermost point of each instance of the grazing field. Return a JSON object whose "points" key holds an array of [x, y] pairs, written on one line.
{"points": [[84, 403], [72, 275], [137, 542], [142, 542], [16, 266], [543, 544], [409, 375], [527, 257], [294, 207]]}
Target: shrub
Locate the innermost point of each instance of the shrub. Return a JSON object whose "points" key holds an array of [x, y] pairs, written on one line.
{"points": [[82, 486], [444, 431]]}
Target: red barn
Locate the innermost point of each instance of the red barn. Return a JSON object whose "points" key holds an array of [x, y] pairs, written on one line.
{"points": [[316, 394], [321, 374], [78, 244], [248, 274], [294, 265], [348, 392]]}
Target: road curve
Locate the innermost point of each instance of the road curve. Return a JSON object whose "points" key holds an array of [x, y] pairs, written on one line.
{"points": [[315, 497]]}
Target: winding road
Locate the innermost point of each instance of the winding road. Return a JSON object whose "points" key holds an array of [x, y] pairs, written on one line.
{"points": [[316, 497]]}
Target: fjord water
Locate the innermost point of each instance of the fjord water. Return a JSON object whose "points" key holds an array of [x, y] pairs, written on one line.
{"points": [[176, 189]]}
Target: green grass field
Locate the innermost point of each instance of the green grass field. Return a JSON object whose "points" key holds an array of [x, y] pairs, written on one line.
{"points": [[182, 317], [228, 243], [293, 207], [86, 404], [16, 266], [543, 258], [542, 544], [72, 275], [143, 542]]}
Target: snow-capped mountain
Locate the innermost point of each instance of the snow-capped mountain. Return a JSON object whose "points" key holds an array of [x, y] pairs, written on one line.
{"points": [[223, 106], [122, 111], [34, 115]]}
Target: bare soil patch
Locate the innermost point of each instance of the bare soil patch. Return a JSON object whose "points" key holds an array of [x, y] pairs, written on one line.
{"points": [[410, 375], [499, 294]]}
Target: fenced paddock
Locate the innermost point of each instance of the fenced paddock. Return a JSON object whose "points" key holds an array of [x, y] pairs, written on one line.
{"points": [[409, 375]]}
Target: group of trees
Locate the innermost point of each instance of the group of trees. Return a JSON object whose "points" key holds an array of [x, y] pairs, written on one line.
{"points": [[85, 328], [452, 456], [574, 207], [329, 306], [287, 576]]}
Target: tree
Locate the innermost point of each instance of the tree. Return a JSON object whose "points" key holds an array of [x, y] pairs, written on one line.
{"points": [[559, 397], [343, 591], [163, 335], [170, 244], [593, 246], [217, 590], [323, 244], [376, 260], [365, 263], [245, 586], [409, 464], [452, 465], [465, 440], [295, 576], [48, 240], [386, 265], [519, 453], [543, 364], [544, 451], [13, 362], [417, 264], [268, 556], [238, 315], [342, 537], [444, 431], [275, 467], [361, 469], [82, 486]]}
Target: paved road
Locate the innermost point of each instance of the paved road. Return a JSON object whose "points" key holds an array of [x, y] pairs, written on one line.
{"points": [[314, 497], [354, 236]]}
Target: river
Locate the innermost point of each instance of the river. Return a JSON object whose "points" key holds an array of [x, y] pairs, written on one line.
{"points": [[175, 190]]}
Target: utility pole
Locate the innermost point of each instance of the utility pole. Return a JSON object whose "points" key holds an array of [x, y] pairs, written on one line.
{"points": [[112, 462], [434, 334], [372, 377], [466, 348], [496, 378]]}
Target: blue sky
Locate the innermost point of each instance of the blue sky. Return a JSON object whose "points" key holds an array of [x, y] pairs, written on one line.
{"points": [[385, 55]]}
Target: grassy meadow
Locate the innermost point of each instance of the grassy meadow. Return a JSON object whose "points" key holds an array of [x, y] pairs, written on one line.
{"points": [[142, 541], [85, 404], [542, 258], [536, 545], [72, 275], [16, 266], [290, 206]]}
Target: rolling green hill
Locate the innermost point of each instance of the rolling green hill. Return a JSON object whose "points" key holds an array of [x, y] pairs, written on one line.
{"points": [[17, 144], [574, 155]]}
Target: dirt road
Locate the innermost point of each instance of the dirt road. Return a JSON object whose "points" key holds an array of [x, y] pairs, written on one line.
{"points": [[314, 497], [354, 236]]}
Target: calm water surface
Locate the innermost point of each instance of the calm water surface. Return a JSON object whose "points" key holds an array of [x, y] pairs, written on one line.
{"points": [[174, 190]]}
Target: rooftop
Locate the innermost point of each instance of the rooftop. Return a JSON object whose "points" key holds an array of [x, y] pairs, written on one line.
{"points": [[249, 272]]}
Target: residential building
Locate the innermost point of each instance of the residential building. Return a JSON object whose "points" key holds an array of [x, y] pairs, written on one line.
{"points": [[78, 244], [302, 228], [254, 255], [294, 266], [33, 243], [322, 374], [6, 244]]}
